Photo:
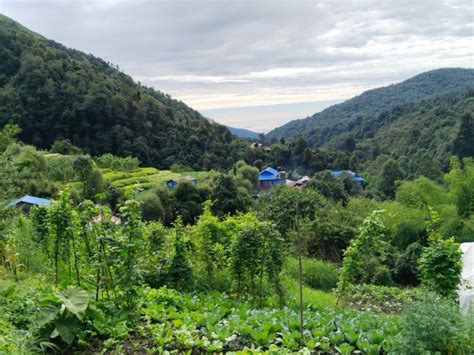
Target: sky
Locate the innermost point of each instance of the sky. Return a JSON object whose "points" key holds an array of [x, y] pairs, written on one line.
{"points": [[259, 64]]}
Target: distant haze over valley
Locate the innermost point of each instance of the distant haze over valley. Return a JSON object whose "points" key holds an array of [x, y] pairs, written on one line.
{"points": [[265, 118]]}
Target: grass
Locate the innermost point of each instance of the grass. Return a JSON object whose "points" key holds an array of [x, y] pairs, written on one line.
{"points": [[316, 299], [318, 274]]}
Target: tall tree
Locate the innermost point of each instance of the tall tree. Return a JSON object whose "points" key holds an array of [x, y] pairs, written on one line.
{"points": [[226, 197], [464, 142], [390, 173]]}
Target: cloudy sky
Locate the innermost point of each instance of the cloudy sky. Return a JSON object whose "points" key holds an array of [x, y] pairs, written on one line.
{"points": [[259, 64]]}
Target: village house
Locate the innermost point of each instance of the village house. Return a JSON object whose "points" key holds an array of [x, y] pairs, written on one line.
{"points": [[301, 182], [26, 202], [270, 177], [256, 145], [173, 182], [356, 178]]}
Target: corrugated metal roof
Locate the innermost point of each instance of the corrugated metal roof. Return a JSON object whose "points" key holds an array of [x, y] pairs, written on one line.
{"points": [[336, 173], [264, 175], [32, 200]]}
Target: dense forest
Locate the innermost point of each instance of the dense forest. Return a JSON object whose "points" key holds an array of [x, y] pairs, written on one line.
{"points": [[54, 93], [346, 117]]}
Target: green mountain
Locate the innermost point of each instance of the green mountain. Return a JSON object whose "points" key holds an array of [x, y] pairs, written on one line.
{"points": [[54, 92], [421, 136], [358, 113], [243, 133]]}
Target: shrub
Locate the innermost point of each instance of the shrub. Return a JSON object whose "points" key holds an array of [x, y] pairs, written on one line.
{"points": [[434, 324], [94, 184], [152, 208], [317, 274], [365, 259], [440, 266], [117, 163]]}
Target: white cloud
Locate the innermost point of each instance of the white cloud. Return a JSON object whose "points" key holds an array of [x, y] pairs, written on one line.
{"points": [[217, 54]]}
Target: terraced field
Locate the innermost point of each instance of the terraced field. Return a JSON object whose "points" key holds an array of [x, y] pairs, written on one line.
{"points": [[146, 178]]}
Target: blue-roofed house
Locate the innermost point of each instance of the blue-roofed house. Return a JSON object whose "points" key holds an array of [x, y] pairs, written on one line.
{"points": [[270, 177], [27, 201], [171, 183], [174, 182], [357, 178]]}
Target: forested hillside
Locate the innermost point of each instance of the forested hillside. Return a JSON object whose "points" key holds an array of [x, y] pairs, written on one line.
{"points": [[420, 136], [243, 133], [359, 112], [54, 93]]}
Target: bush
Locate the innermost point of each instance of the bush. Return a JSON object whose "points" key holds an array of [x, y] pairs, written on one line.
{"points": [[365, 261], [94, 184], [440, 266], [317, 274], [117, 163], [434, 324], [152, 208]]}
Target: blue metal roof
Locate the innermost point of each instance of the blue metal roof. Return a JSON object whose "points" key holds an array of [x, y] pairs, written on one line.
{"points": [[336, 173], [268, 174], [32, 200]]}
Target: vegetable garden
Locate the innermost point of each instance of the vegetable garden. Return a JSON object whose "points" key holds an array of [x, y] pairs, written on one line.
{"points": [[74, 282]]}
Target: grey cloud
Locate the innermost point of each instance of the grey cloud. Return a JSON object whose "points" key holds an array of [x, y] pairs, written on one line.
{"points": [[211, 51]]}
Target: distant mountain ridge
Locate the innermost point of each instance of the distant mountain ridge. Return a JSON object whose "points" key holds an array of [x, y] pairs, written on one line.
{"points": [[330, 124], [243, 133], [54, 92]]}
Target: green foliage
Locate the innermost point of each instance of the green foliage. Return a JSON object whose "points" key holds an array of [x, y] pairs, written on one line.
{"points": [[188, 202], [279, 206], [329, 187], [420, 131], [83, 165], [365, 259], [55, 93], [329, 234], [440, 266], [381, 299], [61, 235], [152, 208], [226, 197], [464, 142], [180, 272], [461, 185], [434, 325], [389, 175], [94, 185], [216, 324], [420, 193], [317, 274], [64, 146], [27, 171], [359, 113], [117, 163], [19, 254], [256, 251], [8, 136], [63, 318], [213, 241], [131, 242], [60, 168]]}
